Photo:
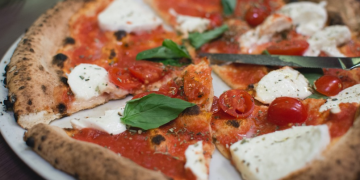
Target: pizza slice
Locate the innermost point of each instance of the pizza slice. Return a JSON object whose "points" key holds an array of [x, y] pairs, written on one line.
{"points": [[180, 149]]}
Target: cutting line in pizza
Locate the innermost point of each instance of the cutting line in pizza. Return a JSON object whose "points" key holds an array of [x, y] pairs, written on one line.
{"points": [[274, 123]]}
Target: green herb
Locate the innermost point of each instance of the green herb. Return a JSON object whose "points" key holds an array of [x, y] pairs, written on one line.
{"points": [[228, 6], [312, 75], [169, 53], [198, 39], [265, 52], [152, 111]]}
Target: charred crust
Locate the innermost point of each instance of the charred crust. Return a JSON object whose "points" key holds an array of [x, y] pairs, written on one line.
{"points": [[233, 123], [59, 60], [335, 18], [191, 111], [112, 54], [251, 86], [43, 138], [157, 139], [69, 40], [56, 161], [16, 116], [41, 68], [62, 108], [119, 35], [21, 87], [64, 80], [24, 59], [8, 105], [30, 141], [39, 148], [31, 50], [43, 87], [29, 102]]}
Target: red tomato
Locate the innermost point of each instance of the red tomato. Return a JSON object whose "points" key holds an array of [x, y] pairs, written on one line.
{"points": [[285, 110], [146, 71], [121, 78], [255, 15], [288, 47], [237, 103], [170, 88], [215, 105], [215, 19], [147, 93], [328, 85]]}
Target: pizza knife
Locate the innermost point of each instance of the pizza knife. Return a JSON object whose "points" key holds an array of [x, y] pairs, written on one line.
{"points": [[282, 60]]}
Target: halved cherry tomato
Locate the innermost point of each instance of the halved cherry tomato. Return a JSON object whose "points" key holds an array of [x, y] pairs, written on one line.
{"points": [[237, 103], [289, 47], [285, 110], [215, 19], [146, 71], [121, 78], [255, 15], [328, 85], [170, 88], [215, 105], [147, 93]]}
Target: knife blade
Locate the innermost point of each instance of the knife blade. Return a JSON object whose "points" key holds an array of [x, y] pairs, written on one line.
{"points": [[282, 60]]}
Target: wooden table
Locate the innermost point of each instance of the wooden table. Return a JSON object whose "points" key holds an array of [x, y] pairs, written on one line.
{"points": [[15, 17]]}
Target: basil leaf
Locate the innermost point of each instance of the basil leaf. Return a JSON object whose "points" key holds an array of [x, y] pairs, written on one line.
{"points": [[173, 62], [152, 111], [265, 52], [198, 39], [311, 75], [175, 48], [228, 6]]}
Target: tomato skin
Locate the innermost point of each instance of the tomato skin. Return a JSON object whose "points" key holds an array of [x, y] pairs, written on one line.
{"points": [[256, 15], [237, 103], [170, 88], [147, 93], [215, 105], [215, 19], [121, 78], [328, 85], [285, 110], [289, 47], [146, 71]]}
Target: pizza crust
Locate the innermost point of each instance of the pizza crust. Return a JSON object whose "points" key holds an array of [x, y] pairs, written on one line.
{"points": [[81, 159]]}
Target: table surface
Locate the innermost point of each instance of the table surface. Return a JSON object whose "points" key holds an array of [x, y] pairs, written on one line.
{"points": [[15, 17]]}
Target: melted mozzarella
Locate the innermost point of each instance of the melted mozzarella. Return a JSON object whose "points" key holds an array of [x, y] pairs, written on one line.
{"points": [[308, 17], [128, 15], [327, 41], [109, 123], [264, 32], [348, 95], [195, 161], [87, 81], [282, 82], [187, 24], [276, 155]]}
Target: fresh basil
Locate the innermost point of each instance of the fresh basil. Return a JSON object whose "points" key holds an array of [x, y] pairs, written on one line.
{"points": [[228, 6], [153, 110], [265, 52], [198, 39], [312, 75], [179, 50]]}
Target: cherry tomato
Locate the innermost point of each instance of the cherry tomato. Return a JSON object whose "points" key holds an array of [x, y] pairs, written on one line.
{"points": [[147, 93], [237, 103], [215, 19], [289, 47], [328, 85], [146, 71], [121, 78], [215, 105], [170, 88], [255, 15], [285, 110]]}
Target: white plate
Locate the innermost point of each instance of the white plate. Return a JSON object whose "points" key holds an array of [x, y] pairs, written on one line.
{"points": [[220, 168]]}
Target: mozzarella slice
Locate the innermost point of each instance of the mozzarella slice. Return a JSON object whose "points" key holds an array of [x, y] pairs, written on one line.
{"points": [[195, 161], [276, 155], [109, 123], [327, 41], [128, 15], [348, 95], [87, 81], [308, 17], [282, 82], [264, 32], [187, 24]]}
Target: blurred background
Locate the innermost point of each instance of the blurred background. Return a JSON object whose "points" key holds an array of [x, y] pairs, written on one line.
{"points": [[16, 16]]}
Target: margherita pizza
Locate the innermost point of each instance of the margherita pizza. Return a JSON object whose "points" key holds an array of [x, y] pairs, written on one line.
{"points": [[274, 122]]}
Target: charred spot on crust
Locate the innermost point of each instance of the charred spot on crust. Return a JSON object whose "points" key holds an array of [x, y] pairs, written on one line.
{"points": [[334, 18], [69, 40], [157, 139], [61, 107], [190, 111], [25, 41], [120, 35], [32, 50], [64, 80], [233, 123], [24, 59], [39, 148], [30, 141], [251, 86], [43, 138], [41, 68], [112, 54], [59, 60], [21, 87], [29, 102], [43, 88], [16, 117], [9, 102]]}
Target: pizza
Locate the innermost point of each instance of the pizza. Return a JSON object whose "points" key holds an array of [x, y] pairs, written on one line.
{"points": [[274, 123]]}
